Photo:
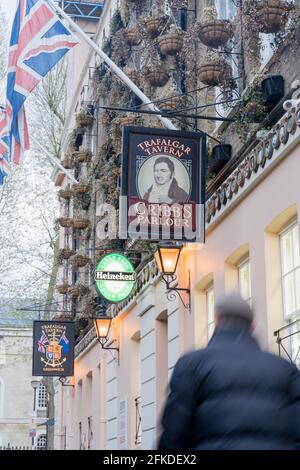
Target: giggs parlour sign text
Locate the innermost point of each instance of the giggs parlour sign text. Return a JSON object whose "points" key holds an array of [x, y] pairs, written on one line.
{"points": [[163, 185]]}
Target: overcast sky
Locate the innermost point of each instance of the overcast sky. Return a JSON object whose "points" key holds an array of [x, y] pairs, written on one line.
{"points": [[9, 8]]}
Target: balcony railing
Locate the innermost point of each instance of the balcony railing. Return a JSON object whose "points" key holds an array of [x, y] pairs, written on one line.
{"points": [[138, 419], [288, 341]]}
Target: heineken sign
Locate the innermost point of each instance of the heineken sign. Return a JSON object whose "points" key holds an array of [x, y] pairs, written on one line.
{"points": [[115, 277]]}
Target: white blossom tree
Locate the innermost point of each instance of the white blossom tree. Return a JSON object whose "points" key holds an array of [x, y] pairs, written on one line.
{"points": [[28, 199]]}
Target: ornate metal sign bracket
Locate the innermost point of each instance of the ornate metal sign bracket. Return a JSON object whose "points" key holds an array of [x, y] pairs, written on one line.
{"points": [[171, 282]]}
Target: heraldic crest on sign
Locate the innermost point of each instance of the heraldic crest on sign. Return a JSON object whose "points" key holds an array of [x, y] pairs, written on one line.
{"points": [[52, 347]]}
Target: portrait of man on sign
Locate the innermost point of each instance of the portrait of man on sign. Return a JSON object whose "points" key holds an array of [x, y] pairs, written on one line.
{"points": [[165, 187]]}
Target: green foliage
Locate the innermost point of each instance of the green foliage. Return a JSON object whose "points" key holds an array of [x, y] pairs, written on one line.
{"points": [[116, 22], [250, 110], [107, 46]]}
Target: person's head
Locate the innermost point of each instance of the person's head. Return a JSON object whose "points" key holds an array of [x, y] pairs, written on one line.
{"points": [[163, 170], [233, 311]]}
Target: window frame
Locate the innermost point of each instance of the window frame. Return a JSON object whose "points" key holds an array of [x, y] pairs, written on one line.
{"points": [[210, 323], [42, 390], [288, 228], [242, 263]]}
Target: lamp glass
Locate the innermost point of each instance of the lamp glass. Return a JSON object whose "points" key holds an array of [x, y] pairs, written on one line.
{"points": [[167, 258], [35, 383], [102, 326]]}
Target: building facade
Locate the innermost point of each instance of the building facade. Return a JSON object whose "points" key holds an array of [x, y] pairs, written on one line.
{"points": [[115, 399], [22, 415]]}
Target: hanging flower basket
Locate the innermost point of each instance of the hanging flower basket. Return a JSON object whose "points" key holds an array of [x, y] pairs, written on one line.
{"points": [[271, 15], [214, 73], [65, 193], [82, 156], [63, 288], [157, 77], [133, 75], [128, 120], [153, 24], [80, 188], [84, 119], [67, 163], [80, 223], [132, 36], [79, 261], [77, 290], [172, 42], [215, 33], [63, 316], [170, 99], [170, 104], [65, 253], [65, 222]]}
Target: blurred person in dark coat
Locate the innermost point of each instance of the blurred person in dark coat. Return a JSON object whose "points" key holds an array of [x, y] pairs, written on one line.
{"points": [[232, 395]]}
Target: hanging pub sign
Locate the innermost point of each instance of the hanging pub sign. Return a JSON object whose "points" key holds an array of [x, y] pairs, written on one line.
{"points": [[115, 277], [162, 185], [53, 348]]}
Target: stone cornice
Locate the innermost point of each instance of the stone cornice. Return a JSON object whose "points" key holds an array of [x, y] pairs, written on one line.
{"points": [[255, 167]]}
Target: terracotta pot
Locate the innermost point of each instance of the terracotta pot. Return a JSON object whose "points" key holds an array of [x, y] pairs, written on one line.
{"points": [[153, 25], [125, 121], [215, 33], [67, 163], [271, 16], [78, 290], [171, 43], [214, 73], [65, 253], [170, 104], [132, 36], [134, 76], [80, 223], [84, 120], [65, 193], [157, 78], [63, 316], [82, 156], [80, 188], [62, 288], [74, 291], [79, 261], [65, 222]]}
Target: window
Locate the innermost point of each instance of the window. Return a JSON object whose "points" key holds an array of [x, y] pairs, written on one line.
{"points": [[41, 443], [226, 9], [42, 396], [290, 270], [90, 432], [1, 396], [2, 351], [80, 436], [244, 276], [210, 309]]}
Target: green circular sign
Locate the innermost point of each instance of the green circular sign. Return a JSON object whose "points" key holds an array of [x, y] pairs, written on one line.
{"points": [[115, 277]]}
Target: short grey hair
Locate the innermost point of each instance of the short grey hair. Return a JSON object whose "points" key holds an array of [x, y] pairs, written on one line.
{"points": [[233, 306]]}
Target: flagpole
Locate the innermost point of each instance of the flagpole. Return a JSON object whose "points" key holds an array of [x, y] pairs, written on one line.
{"points": [[54, 160], [167, 122]]}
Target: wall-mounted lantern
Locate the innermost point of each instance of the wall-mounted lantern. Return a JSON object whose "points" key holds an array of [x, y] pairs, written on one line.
{"points": [[167, 258]]}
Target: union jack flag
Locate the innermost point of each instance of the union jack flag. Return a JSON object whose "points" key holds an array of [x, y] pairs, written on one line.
{"points": [[4, 146], [42, 342], [38, 41]]}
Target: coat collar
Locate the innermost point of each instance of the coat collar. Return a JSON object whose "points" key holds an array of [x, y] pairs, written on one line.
{"points": [[231, 337]]}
